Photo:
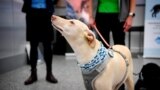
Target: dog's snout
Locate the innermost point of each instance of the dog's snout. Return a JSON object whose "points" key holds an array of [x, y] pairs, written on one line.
{"points": [[53, 17]]}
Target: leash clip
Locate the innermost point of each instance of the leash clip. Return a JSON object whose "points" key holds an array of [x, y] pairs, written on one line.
{"points": [[110, 53]]}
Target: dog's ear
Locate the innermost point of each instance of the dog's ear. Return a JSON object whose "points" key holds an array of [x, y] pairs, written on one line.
{"points": [[90, 38]]}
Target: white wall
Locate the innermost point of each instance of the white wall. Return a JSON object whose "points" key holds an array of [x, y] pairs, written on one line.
{"points": [[139, 18]]}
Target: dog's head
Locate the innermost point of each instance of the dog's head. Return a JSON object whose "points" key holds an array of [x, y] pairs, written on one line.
{"points": [[74, 31]]}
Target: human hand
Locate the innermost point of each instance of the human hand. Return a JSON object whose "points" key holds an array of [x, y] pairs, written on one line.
{"points": [[128, 23], [91, 22]]}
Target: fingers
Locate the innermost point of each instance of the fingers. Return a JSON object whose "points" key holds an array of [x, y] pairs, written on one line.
{"points": [[126, 27]]}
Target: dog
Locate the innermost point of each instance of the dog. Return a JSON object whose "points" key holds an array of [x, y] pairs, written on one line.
{"points": [[117, 66], [155, 10]]}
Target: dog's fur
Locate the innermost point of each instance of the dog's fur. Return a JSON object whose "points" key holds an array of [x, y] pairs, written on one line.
{"points": [[85, 45]]}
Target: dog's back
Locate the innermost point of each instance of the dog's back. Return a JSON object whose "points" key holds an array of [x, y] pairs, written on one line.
{"points": [[119, 70]]}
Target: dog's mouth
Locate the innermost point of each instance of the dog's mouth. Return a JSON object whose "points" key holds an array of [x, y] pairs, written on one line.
{"points": [[57, 28]]}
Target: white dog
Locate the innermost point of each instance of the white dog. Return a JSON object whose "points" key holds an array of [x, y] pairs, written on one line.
{"points": [[112, 67]]}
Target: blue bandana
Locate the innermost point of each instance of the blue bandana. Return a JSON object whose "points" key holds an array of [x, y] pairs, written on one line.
{"points": [[101, 57]]}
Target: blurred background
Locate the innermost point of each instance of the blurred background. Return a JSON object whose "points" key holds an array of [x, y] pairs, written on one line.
{"points": [[14, 57]]}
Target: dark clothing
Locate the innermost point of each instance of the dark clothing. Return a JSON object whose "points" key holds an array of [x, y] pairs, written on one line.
{"points": [[38, 22], [38, 25], [39, 29], [113, 22], [27, 6], [107, 22], [47, 54], [124, 9]]}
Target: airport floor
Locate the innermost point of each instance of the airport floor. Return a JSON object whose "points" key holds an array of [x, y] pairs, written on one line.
{"points": [[65, 70]]}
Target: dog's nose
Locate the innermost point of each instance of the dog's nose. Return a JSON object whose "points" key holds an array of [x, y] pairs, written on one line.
{"points": [[53, 17]]}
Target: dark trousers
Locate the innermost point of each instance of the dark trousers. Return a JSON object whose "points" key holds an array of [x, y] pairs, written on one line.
{"points": [[107, 22], [38, 26], [47, 54]]}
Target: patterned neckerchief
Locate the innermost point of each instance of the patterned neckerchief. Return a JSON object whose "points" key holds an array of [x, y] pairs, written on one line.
{"points": [[100, 57]]}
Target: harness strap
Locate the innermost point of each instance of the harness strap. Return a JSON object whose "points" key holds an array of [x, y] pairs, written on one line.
{"points": [[89, 79], [127, 64], [91, 76], [99, 70]]}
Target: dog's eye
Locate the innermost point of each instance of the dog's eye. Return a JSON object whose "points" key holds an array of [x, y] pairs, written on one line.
{"points": [[71, 22]]}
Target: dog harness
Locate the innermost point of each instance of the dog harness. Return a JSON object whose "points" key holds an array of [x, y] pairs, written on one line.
{"points": [[94, 68], [127, 64]]}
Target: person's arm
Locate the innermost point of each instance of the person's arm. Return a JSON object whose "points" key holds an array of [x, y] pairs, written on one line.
{"points": [[90, 8], [132, 6], [129, 20], [90, 11]]}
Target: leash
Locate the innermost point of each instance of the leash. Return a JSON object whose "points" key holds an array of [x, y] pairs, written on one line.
{"points": [[127, 64], [94, 27]]}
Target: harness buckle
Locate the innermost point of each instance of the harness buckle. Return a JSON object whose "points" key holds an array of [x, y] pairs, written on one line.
{"points": [[110, 53]]}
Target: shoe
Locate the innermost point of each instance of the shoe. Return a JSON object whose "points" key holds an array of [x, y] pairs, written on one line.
{"points": [[50, 78], [31, 79]]}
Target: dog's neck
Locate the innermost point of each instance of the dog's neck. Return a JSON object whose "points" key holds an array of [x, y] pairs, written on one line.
{"points": [[84, 53]]}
